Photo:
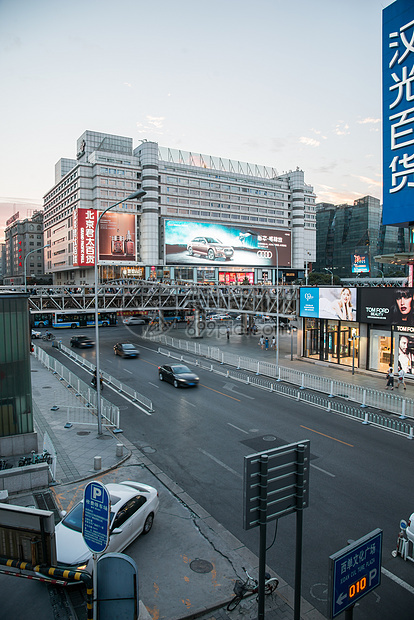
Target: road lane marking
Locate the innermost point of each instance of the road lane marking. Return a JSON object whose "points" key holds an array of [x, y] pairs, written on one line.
{"points": [[328, 473], [328, 436], [213, 458], [153, 384], [125, 370], [400, 582], [222, 393], [188, 402], [230, 387], [238, 429]]}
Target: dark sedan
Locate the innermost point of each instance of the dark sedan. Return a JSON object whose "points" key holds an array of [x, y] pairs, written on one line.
{"points": [[178, 374], [126, 350], [82, 342]]}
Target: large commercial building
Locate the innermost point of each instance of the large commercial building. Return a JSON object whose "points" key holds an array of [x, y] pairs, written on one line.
{"points": [[203, 218], [348, 238]]}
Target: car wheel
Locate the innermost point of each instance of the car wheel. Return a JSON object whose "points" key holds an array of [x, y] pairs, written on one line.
{"points": [[210, 254], [161, 377], [190, 251], [148, 523], [175, 383]]}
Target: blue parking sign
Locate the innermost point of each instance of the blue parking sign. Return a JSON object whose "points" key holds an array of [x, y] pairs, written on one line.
{"points": [[96, 515], [354, 572]]}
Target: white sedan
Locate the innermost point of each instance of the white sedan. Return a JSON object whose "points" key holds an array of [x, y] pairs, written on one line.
{"points": [[134, 320], [133, 508]]}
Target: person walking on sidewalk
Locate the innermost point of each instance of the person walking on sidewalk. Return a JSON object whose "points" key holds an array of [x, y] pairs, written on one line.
{"points": [[261, 342], [228, 333], [401, 377], [390, 378], [273, 345], [267, 343]]}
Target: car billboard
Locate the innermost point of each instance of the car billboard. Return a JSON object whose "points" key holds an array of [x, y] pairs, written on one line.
{"points": [[117, 238], [188, 242], [398, 113], [387, 306], [328, 303]]}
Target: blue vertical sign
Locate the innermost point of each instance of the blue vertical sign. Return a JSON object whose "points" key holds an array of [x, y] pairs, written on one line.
{"points": [[398, 112], [354, 572], [96, 515]]}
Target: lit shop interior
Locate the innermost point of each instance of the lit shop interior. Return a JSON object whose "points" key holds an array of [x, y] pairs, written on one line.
{"points": [[382, 336]]}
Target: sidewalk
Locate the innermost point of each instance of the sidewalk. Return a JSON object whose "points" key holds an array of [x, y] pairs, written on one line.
{"points": [[183, 589]]}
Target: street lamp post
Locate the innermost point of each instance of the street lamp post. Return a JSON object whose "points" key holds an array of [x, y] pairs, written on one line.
{"points": [[331, 272], [136, 195], [382, 274], [25, 263]]}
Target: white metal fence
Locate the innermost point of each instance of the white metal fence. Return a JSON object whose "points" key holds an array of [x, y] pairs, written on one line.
{"points": [[85, 413], [365, 397]]}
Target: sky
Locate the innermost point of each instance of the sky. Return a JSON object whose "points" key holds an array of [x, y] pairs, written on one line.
{"points": [[271, 82]]}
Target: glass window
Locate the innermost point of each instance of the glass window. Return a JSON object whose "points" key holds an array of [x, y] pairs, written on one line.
{"points": [[379, 349]]}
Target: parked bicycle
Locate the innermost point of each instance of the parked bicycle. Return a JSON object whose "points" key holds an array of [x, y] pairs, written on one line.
{"points": [[244, 589]]}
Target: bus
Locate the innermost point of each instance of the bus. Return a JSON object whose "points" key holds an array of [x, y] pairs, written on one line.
{"points": [[72, 319]]}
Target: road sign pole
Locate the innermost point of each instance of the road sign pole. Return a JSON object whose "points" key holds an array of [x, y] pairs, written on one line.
{"points": [[95, 586], [264, 464], [299, 527]]}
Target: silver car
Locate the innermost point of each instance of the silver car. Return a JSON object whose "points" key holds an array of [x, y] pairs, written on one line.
{"points": [[210, 247]]}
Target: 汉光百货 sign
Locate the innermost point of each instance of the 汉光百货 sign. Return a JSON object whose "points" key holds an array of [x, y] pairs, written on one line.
{"points": [[398, 112]]}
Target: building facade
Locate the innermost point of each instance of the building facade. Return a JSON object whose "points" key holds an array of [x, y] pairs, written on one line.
{"points": [[23, 237], [203, 218], [348, 231]]}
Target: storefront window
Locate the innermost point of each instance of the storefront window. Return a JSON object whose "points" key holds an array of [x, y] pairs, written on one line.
{"points": [[231, 277], [379, 349]]}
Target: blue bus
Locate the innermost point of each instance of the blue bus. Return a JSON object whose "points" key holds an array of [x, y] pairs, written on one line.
{"points": [[72, 319]]}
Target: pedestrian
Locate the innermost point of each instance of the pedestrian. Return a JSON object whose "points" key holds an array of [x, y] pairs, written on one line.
{"points": [[401, 377], [390, 378], [261, 342], [267, 343], [228, 333], [273, 345]]}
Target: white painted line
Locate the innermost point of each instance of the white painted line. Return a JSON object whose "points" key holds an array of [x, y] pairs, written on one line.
{"points": [[400, 582], [153, 384], [188, 402], [323, 471], [237, 428], [125, 370], [213, 458]]}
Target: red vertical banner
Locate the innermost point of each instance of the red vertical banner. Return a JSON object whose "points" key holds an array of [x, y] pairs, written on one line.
{"points": [[84, 223]]}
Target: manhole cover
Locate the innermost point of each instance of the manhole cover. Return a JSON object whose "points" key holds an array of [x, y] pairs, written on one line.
{"points": [[201, 566], [148, 450], [83, 433], [269, 438]]}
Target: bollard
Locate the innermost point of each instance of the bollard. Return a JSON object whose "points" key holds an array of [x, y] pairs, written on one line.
{"points": [[119, 449], [329, 406], [331, 395], [302, 387], [403, 416], [97, 463], [364, 398], [411, 435], [365, 419]]}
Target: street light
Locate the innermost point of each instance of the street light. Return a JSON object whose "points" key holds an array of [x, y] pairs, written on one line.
{"points": [[306, 267], [331, 272], [382, 274], [136, 195], [25, 263]]}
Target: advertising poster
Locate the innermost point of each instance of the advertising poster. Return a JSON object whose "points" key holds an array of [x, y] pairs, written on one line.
{"points": [[405, 352], [197, 242], [117, 238], [387, 306], [398, 112], [328, 303], [360, 263]]}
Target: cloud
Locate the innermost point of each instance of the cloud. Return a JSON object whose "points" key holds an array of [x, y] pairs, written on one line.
{"points": [[152, 122], [128, 84], [309, 141], [371, 121], [368, 181], [342, 128], [326, 193]]}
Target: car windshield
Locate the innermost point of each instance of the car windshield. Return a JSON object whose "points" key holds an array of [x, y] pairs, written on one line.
{"points": [[73, 520], [180, 369], [127, 346], [212, 240]]}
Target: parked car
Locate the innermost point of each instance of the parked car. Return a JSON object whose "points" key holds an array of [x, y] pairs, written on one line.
{"points": [[178, 374], [82, 342], [125, 350], [36, 334], [134, 320], [210, 247], [410, 528], [133, 508]]}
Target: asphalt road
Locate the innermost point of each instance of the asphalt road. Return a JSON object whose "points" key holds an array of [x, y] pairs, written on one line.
{"points": [[360, 476]]}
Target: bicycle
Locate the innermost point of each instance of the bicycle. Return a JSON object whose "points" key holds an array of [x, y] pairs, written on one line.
{"points": [[48, 336], [243, 589]]}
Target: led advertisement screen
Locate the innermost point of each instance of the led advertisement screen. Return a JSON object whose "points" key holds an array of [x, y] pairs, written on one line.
{"points": [[117, 238], [192, 243], [387, 306], [398, 112], [328, 303], [360, 263]]}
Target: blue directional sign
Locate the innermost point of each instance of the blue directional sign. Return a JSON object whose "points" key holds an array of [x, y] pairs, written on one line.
{"points": [[354, 572], [96, 514]]}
